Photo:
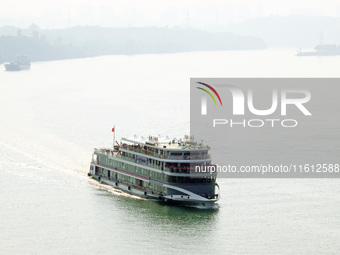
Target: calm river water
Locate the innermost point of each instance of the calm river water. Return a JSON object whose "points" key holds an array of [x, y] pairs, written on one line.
{"points": [[55, 114]]}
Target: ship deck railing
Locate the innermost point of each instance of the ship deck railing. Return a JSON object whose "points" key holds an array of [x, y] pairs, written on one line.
{"points": [[112, 153], [168, 167], [183, 170], [107, 152], [141, 150]]}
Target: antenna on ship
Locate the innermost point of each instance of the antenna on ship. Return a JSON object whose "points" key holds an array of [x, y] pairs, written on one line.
{"points": [[114, 137]]}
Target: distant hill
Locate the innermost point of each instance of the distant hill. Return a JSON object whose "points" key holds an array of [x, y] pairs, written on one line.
{"points": [[93, 41], [291, 31], [37, 49]]}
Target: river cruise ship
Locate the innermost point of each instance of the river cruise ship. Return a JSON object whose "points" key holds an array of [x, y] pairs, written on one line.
{"points": [[154, 169]]}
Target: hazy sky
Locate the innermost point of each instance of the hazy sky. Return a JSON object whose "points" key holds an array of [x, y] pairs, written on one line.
{"points": [[118, 13]]}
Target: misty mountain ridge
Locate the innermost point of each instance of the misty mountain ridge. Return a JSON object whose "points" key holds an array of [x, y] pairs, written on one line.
{"points": [[91, 41], [294, 31]]}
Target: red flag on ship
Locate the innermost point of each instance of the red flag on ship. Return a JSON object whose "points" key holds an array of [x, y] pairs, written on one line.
{"points": [[113, 129]]}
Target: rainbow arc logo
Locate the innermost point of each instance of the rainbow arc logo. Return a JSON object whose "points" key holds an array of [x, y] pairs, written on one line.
{"points": [[209, 93], [204, 99]]}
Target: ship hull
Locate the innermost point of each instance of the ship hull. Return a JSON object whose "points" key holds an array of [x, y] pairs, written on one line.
{"points": [[306, 54], [15, 67], [181, 200]]}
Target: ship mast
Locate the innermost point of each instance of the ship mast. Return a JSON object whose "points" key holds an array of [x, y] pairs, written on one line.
{"points": [[113, 137]]}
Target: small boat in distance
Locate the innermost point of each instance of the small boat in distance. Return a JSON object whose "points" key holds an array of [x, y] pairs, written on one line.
{"points": [[20, 63], [321, 50], [158, 168]]}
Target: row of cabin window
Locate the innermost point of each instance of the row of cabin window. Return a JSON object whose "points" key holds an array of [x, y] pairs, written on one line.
{"points": [[158, 176], [117, 164], [128, 179], [134, 169]]}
